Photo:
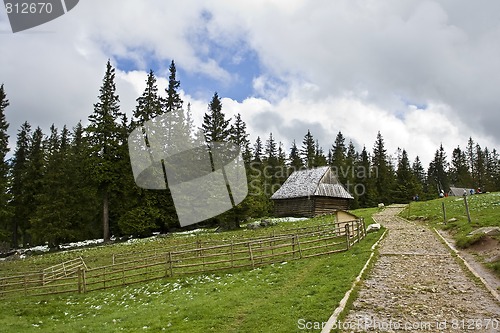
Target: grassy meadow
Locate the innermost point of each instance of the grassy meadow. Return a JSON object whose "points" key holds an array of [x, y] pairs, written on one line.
{"points": [[270, 298]]}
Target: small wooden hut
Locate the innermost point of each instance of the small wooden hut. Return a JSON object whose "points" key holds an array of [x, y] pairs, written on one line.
{"points": [[310, 193]]}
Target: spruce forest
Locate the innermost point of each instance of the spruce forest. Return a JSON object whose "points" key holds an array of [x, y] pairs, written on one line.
{"points": [[76, 183]]}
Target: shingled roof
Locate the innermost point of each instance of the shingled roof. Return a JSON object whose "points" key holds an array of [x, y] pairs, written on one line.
{"points": [[312, 182]]}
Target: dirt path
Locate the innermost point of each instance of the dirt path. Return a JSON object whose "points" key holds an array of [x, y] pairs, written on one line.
{"points": [[417, 285]]}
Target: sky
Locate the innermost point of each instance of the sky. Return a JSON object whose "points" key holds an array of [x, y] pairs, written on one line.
{"points": [[423, 73]]}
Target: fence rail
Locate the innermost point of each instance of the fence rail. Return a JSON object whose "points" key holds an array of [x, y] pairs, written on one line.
{"points": [[197, 257]]}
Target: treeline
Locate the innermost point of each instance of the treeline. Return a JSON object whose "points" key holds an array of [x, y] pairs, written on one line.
{"points": [[76, 183]]}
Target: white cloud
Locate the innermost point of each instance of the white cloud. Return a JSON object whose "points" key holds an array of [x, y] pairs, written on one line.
{"points": [[349, 65]]}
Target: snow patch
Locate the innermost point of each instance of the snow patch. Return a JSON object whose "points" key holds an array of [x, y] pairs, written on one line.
{"points": [[288, 219], [189, 232]]}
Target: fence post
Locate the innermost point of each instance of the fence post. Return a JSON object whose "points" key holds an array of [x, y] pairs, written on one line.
{"points": [[84, 281], [198, 245], [113, 258], [79, 272], [232, 253], [298, 244], [293, 247], [170, 263], [357, 229], [251, 254], [166, 264], [444, 212], [364, 226], [467, 208], [25, 286], [347, 236]]}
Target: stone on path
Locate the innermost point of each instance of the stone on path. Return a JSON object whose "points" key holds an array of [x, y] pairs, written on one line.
{"points": [[373, 227]]}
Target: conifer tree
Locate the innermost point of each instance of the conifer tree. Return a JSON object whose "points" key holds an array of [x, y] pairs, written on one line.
{"points": [[282, 158], [84, 201], [106, 135], [19, 174], [239, 136], [295, 162], [384, 180], [257, 150], [32, 186], [480, 167], [270, 165], [216, 129], [173, 101], [471, 159], [407, 186], [308, 150], [51, 220], [352, 157], [438, 172], [365, 185], [459, 171], [190, 122], [215, 125], [147, 210], [338, 157], [5, 213], [489, 171], [420, 175], [495, 171], [149, 104], [271, 150], [319, 156]]}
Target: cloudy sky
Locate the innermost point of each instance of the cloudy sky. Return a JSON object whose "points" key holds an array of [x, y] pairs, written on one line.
{"points": [[420, 72]]}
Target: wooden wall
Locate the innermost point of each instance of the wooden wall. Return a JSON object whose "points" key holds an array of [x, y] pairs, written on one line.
{"points": [[327, 205], [294, 207], [309, 206]]}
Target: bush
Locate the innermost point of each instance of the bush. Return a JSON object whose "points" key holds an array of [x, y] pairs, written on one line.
{"points": [[139, 221]]}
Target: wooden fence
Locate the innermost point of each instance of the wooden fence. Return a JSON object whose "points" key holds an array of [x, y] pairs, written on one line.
{"points": [[192, 258]]}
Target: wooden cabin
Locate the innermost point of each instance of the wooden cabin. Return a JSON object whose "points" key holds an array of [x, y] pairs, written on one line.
{"points": [[310, 193]]}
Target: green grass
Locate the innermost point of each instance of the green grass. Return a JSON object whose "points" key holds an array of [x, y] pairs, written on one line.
{"points": [[484, 211], [270, 298]]}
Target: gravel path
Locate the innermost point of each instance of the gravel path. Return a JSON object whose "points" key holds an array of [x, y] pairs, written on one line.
{"points": [[417, 285]]}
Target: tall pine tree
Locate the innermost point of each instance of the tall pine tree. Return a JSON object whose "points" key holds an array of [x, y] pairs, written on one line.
{"points": [[19, 180], [35, 171], [239, 136], [338, 158], [407, 185], [437, 174], [308, 150], [215, 125], [295, 162], [149, 104], [382, 168], [105, 135], [5, 213], [216, 129], [459, 171]]}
